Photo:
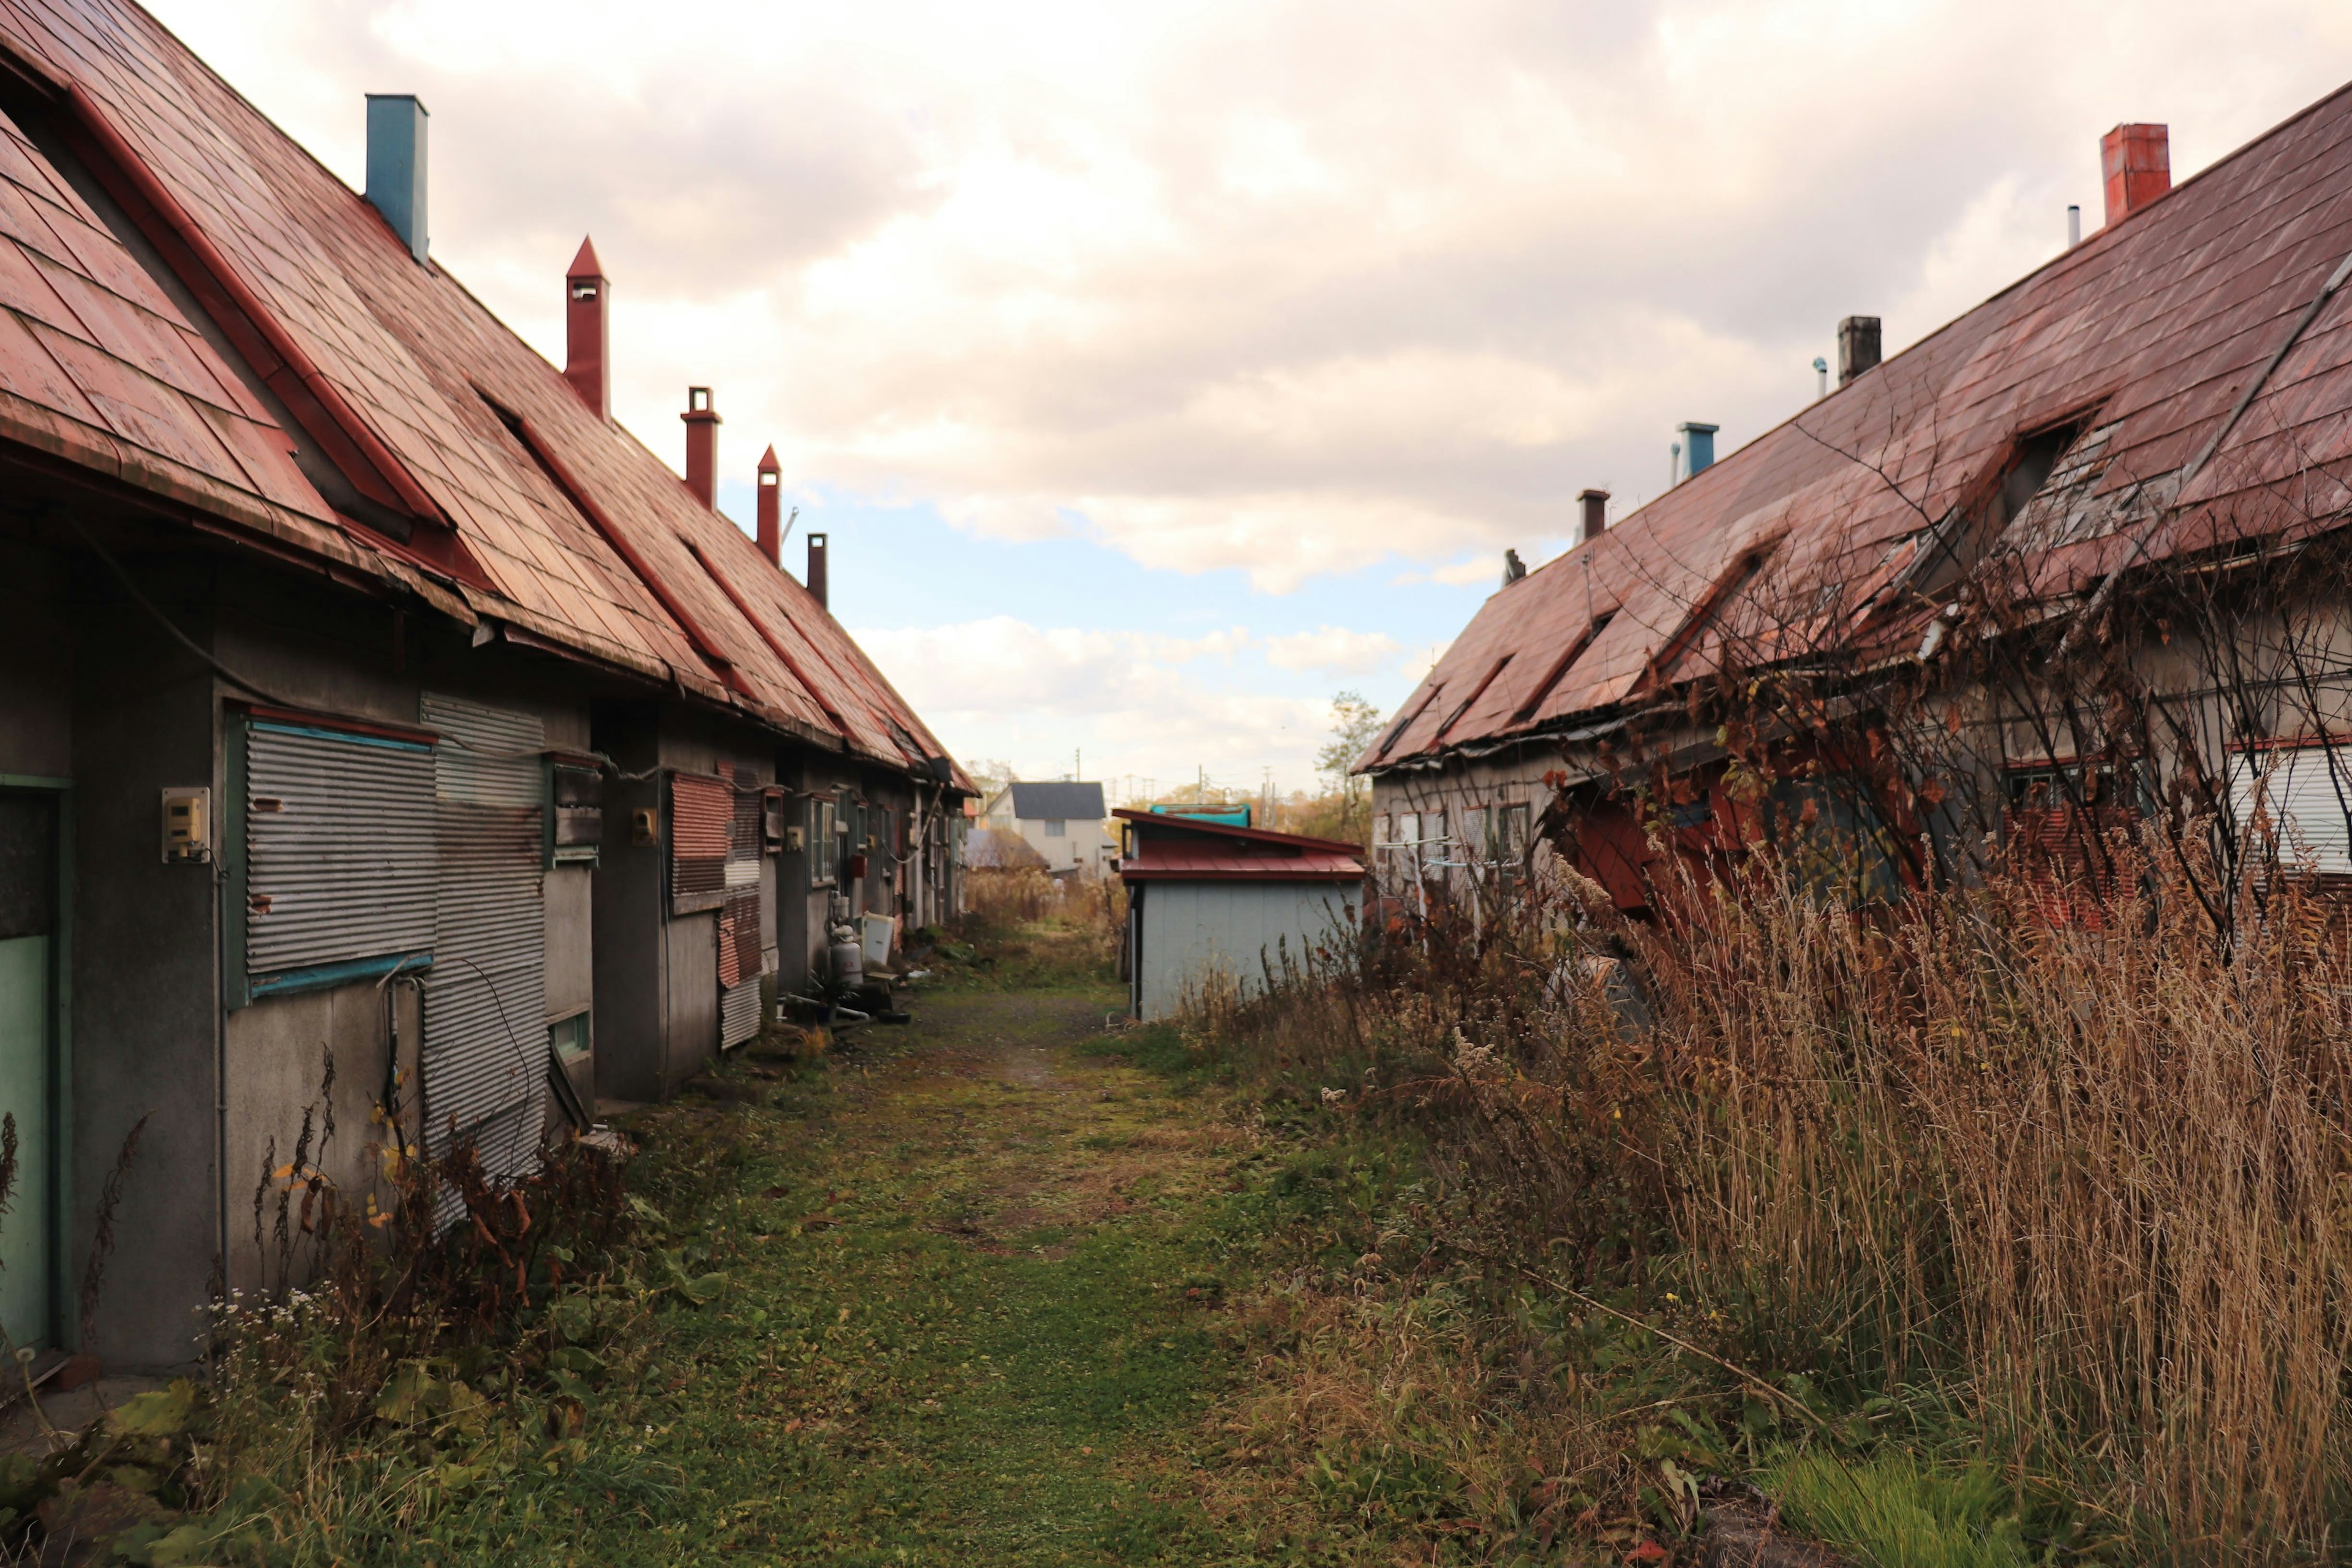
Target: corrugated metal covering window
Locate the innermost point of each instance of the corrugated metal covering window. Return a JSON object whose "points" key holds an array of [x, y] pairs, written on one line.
{"points": [[701, 823], [339, 834], [484, 1065], [2293, 800]]}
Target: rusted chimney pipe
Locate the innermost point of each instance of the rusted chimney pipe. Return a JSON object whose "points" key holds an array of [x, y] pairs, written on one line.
{"points": [[771, 522], [585, 317], [2137, 163], [1857, 346], [816, 568], [702, 446], [1593, 505]]}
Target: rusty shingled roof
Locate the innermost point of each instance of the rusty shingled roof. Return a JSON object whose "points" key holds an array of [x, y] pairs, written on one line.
{"points": [[2149, 332], [561, 525], [98, 367]]}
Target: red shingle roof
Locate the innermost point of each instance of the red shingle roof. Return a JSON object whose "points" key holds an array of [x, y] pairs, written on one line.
{"points": [[1187, 849], [2152, 328], [96, 365]]}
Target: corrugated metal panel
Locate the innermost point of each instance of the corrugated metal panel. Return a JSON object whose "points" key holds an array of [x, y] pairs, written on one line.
{"points": [[339, 845], [738, 938], [2302, 793], [701, 823], [484, 1060], [488, 756], [739, 1012]]}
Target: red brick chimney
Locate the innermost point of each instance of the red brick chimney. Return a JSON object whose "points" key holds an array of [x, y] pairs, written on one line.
{"points": [[2137, 163], [816, 582], [585, 364], [702, 446], [1594, 506], [772, 543]]}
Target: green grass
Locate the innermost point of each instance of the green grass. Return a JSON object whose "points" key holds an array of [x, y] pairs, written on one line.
{"points": [[970, 1311], [1895, 1511]]}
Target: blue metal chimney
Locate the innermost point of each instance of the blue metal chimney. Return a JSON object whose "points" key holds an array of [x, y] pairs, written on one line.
{"points": [[1699, 446], [395, 164]]}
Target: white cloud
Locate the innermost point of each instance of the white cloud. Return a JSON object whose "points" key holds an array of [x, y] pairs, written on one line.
{"points": [[1332, 650], [1132, 703], [1284, 286]]}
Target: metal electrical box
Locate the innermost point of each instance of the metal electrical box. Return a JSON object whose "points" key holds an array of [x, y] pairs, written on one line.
{"points": [[187, 826]]}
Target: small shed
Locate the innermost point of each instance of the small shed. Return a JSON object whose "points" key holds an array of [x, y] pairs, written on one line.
{"points": [[1209, 903]]}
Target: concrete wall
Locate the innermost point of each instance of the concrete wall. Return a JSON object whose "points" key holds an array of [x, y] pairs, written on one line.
{"points": [[145, 992], [36, 663], [629, 912], [277, 1056], [1196, 935]]}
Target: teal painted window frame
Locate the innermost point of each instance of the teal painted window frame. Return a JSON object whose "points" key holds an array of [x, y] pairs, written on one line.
{"points": [[240, 986]]}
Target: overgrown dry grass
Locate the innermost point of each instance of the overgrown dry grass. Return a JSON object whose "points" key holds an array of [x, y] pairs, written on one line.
{"points": [[2070, 1202]]}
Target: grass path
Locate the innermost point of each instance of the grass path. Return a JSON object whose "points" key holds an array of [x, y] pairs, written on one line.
{"points": [[972, 1314]]}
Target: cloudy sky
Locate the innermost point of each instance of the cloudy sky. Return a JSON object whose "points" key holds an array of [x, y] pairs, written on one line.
{"points": [[1157, 370]]}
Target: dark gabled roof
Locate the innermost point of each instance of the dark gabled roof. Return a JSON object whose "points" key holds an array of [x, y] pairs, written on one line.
{"points": [[1057, 802], [1188, 849], [528, 509], [2150, 331]]}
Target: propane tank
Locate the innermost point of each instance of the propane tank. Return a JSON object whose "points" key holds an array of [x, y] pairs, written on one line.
{"points": [[848, 958]]}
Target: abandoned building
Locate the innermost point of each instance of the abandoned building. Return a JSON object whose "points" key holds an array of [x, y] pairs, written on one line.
{"points": [[367, 695], [2170, 398]]}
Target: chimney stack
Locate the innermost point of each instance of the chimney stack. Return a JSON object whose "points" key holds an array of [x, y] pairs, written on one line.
{"points": [[395, 165], [702, 446], [1593, 508], [1857, 346], [2136, 161], [816, 584], [1699, 446], [772, 543], [585, 318]]}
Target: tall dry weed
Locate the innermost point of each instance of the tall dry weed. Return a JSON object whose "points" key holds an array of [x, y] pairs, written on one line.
{"points": [[2086, 1184]]}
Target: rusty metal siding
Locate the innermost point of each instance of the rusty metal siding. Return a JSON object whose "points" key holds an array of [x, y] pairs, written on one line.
{"points": [[702, 823], [484, 1062], [339, 846], [739, 1012]]}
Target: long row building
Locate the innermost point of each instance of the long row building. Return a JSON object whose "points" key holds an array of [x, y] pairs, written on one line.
{"points": [[379, 720]]}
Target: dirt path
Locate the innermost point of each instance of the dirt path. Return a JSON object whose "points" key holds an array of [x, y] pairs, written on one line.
{"points": [[974, 1315]]}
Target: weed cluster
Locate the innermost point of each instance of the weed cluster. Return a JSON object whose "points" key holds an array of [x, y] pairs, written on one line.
{"points": [[2038, 1227]]}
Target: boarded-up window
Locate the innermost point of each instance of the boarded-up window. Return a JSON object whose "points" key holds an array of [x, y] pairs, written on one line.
{"points": [[702, 823], [2294, 804], [2058, 825], [339, 839]]}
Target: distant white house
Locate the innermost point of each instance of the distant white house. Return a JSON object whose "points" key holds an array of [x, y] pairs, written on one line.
{"points": [[1064, 822]]}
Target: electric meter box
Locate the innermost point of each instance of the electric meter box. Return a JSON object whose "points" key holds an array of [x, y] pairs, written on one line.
{"points": [[187, 826], [575, 810]]}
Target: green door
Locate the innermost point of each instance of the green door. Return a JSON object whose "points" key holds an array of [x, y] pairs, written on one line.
{"points": [[28, 886]]}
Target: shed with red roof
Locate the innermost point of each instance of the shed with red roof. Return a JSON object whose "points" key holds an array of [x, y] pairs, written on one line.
{"points": [[1212, 905]]}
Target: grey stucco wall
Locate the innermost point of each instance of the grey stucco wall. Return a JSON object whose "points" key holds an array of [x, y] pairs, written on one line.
{"points": [[145, 992], [36, 663], [1202, 934], [278, 1052]]}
